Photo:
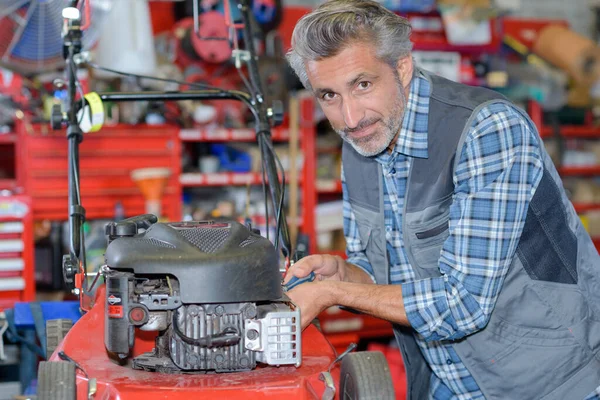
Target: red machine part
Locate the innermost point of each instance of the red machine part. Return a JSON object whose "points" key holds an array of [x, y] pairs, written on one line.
{"points": [[138, 315], [11, 85], [85, 344], [209, 45]]}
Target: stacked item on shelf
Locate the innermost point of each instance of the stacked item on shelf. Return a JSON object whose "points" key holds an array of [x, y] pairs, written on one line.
{"points": [[16, 251], [225, 180]]}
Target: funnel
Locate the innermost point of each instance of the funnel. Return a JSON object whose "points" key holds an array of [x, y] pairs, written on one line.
{"points": [[151, 182]]}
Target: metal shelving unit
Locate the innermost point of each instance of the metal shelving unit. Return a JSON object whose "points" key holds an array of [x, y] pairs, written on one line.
{"points": [[306, 133]]}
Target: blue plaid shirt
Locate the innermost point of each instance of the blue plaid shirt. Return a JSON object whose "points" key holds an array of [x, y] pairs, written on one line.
{"points": [[499, 169]]}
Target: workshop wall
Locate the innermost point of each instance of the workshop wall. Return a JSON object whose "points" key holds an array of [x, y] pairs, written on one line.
{"points": [[576, 12]]}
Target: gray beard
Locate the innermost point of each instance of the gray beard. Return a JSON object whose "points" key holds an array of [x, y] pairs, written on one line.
{"points": [[392, 126]]}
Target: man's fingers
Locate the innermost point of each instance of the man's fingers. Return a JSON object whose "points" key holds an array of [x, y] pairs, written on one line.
{"points": [[305, 266], [301, 269], [323, 265]]}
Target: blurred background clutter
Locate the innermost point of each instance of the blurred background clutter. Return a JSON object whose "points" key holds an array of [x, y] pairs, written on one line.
{"points": [[192, 160]]}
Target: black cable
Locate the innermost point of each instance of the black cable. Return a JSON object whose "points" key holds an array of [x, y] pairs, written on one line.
{"points": [[228, 337], [88, 291], [264, 185], [82, 252], [280, 207], [74, 200], [80, 90], [238, 94], [244, 80], [74, 163], [155, 78], [63, 356], [281, 200]]}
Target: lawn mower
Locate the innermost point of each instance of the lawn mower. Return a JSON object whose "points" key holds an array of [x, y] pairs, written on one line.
{"points": [[191, 309]]}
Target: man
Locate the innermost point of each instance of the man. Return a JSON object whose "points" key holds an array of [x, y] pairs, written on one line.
{"points": [[458, 228]]}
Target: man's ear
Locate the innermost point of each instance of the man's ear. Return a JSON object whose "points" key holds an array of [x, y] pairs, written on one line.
{"points": [[405, 68]]}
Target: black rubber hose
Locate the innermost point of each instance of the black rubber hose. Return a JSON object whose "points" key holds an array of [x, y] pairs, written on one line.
{"points": [[228, 337]]}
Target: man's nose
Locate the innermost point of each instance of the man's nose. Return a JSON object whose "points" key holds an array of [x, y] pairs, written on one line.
{"points": [[353, 113]]}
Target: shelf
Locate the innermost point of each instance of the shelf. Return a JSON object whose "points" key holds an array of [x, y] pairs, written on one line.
{"points": [[573, 171], [192, 179], [329, 186], [8, 138], [426, 40], [573, 131], [217, 134]]}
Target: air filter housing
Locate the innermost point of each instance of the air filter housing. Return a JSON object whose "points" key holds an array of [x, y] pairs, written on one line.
{"points": [[213, 262]]}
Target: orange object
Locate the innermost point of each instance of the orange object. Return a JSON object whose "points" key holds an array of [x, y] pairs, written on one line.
{"points": [[152, 183], [570, 51]]}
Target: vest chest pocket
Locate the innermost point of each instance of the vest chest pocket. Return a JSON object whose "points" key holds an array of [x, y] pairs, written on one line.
{"points": [[372, 240], [426, 243], [365, 222], [430, 233]]}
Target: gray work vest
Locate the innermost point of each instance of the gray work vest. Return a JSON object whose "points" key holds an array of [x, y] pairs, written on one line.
{"points": [[542, 340]]}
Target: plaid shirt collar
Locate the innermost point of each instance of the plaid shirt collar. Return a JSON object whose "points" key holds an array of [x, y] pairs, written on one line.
{"points": [[412, 140]]}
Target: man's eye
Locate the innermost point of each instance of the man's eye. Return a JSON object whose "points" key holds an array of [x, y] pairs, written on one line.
{"points": [[328, 96], [364, 85]]}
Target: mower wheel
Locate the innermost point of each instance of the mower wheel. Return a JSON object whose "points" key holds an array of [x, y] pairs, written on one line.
{"points": [[56, 330], [56, 380], [366, 376]]}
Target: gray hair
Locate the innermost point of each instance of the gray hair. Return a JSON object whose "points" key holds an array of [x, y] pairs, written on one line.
{"points": [[335, 24]]}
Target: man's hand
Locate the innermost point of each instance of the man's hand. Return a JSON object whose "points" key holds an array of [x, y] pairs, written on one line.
{"points": [[327, 268], [312, 299]]}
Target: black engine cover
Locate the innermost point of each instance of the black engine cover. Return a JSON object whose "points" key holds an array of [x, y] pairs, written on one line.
{"points": [[214, 262]]}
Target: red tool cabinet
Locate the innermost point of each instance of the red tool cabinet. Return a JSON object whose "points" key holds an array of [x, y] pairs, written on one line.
{"points": [[107, 158], [16, 251]]}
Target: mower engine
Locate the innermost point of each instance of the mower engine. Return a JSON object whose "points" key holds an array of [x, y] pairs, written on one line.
{"points": [[211, 290]]}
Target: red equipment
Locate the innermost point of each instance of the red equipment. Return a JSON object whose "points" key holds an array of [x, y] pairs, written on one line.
{"points": [[83, 344], [209, 45]]}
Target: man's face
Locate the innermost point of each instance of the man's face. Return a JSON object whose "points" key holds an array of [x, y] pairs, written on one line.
{"points": [[362, 97]]}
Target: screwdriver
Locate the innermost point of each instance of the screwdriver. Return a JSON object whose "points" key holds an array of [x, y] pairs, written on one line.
{"points": [[295, 281]]}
